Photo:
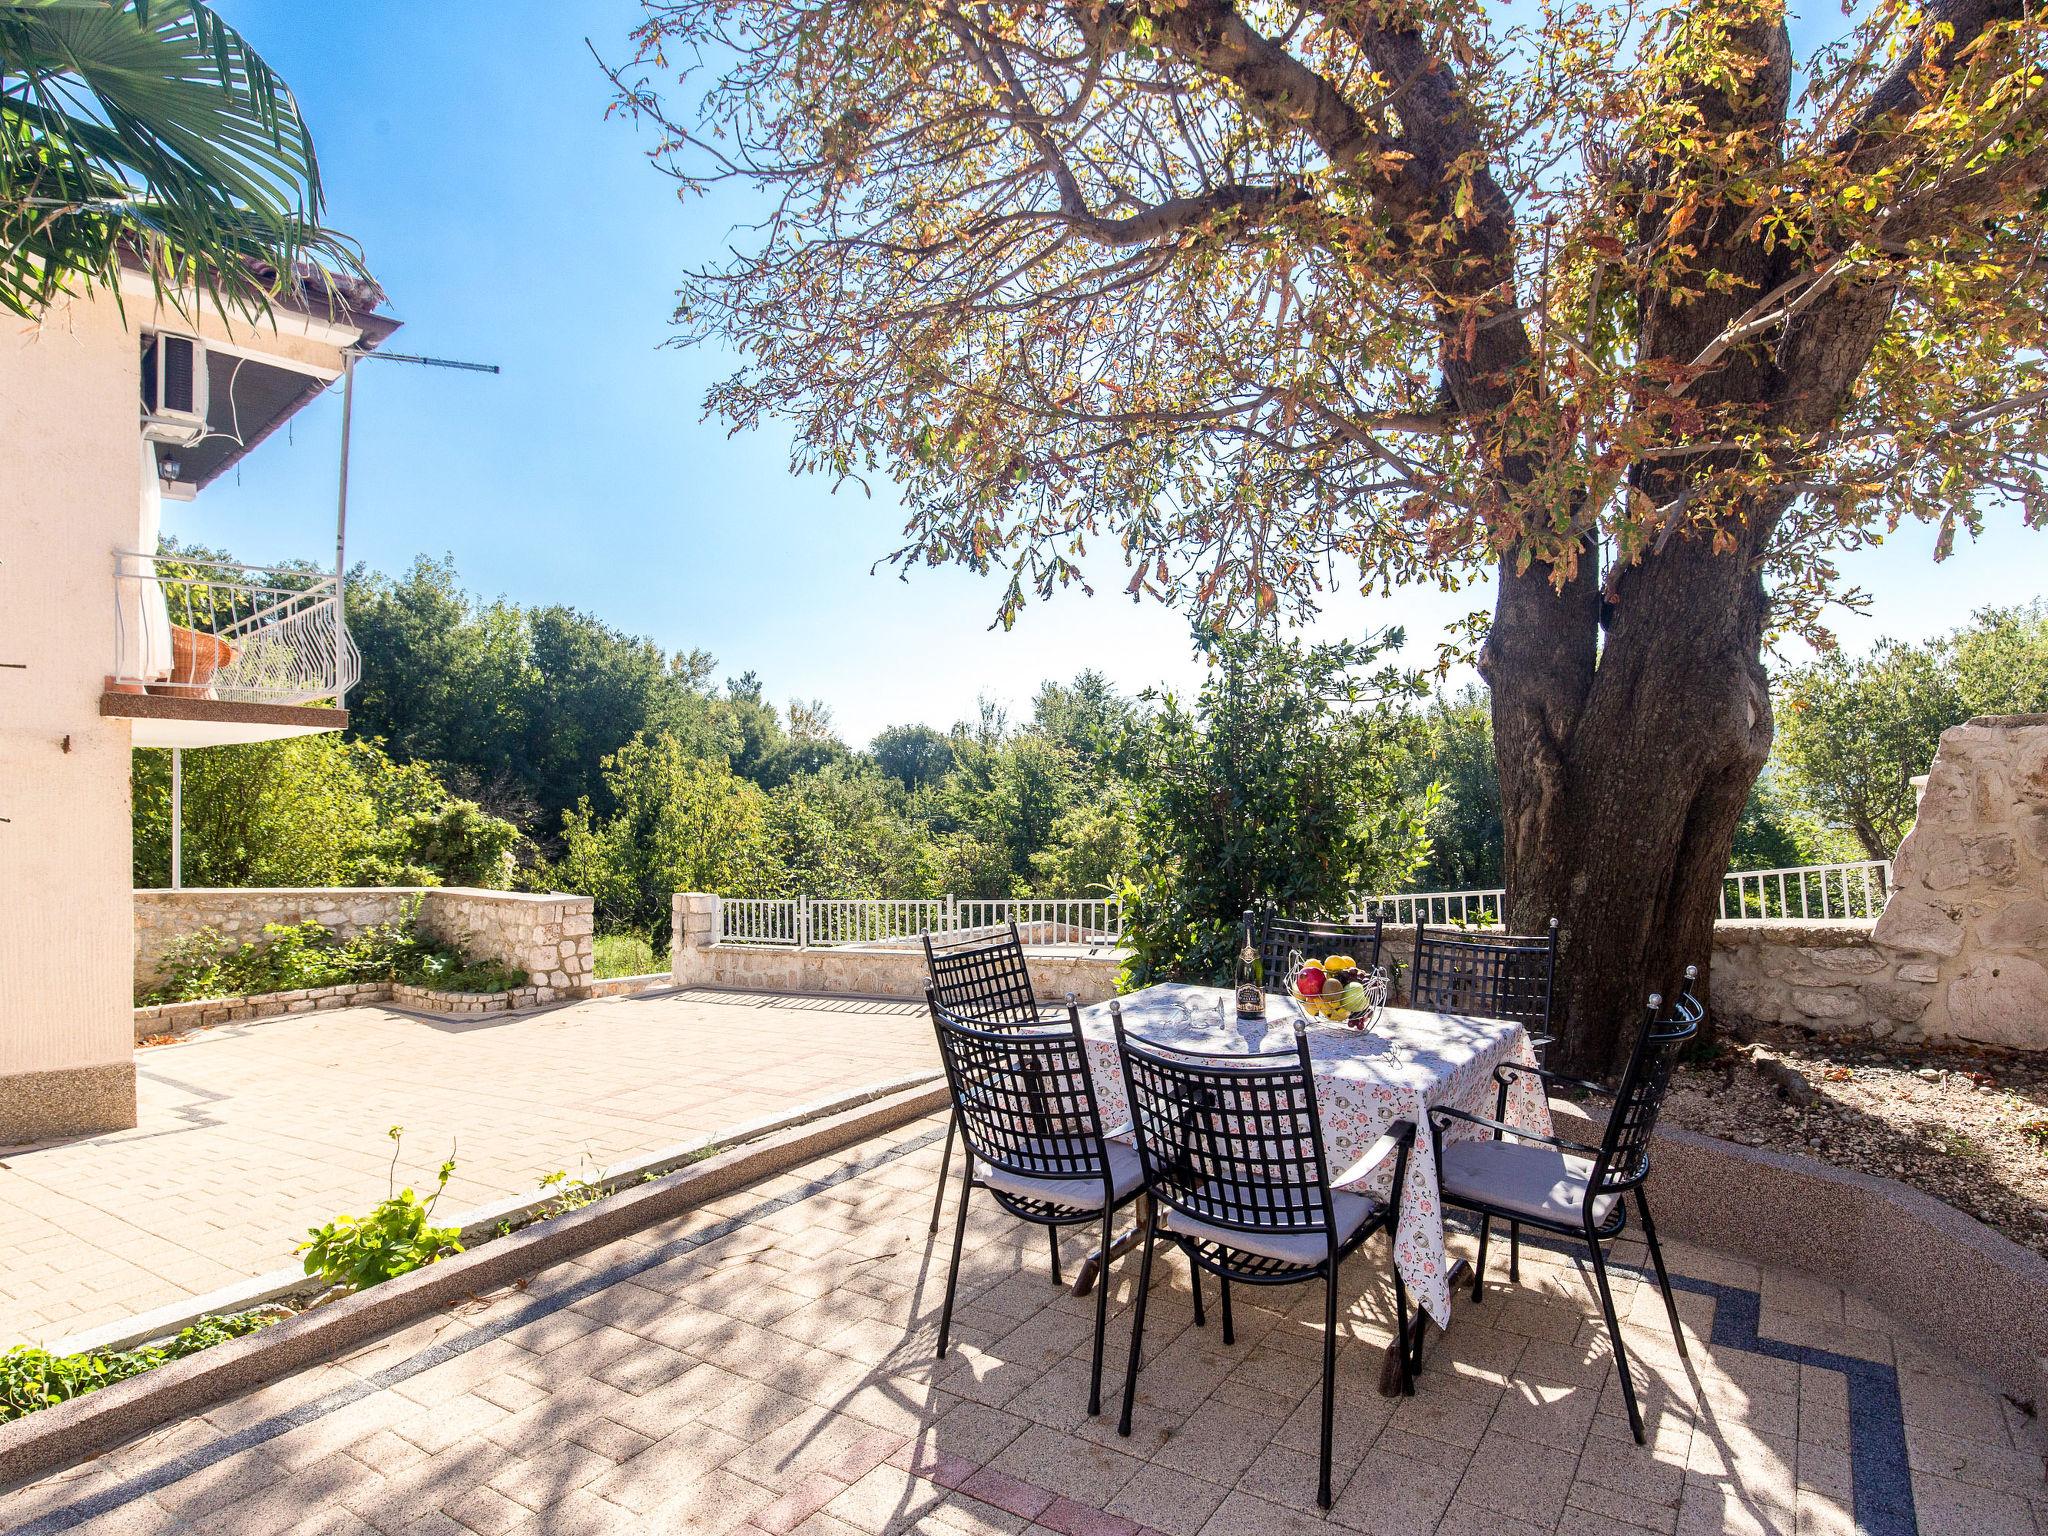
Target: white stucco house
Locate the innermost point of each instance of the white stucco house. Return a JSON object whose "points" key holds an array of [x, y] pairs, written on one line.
{"points": [[110, 403]]}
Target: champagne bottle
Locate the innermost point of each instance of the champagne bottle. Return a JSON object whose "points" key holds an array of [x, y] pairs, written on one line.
{"points": [[1251, 990]]}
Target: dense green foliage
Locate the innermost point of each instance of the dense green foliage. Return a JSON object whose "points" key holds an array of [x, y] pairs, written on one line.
{"points": [[295, 955], [517, 707], [1854, 732], [1454, 750], [1276, 783], [626, 954], [32, 1378], [313, 810], [669, 782]]}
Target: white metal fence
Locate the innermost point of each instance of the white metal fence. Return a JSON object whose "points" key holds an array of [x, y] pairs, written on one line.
{"points": [[1473, 909], [1816, 890], [816, 922]]}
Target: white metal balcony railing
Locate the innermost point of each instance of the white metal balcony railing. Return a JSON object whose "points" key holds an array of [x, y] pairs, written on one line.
{"points": [[1854, 890], [215, 629], [812, 922]]}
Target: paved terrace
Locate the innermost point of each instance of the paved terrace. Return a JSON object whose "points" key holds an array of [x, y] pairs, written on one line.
{"points": [[252, 1133], [763, 1366]]}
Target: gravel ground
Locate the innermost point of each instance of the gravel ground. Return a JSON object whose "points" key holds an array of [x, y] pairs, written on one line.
{"points": [[1970, 1128]]}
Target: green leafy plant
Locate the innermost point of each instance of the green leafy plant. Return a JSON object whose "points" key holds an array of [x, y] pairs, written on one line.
{"points": [[1276, 783], [152, 131], [2035, 1134], [627, 954], [396, 1237], [32, 1378], [571, 1194]]}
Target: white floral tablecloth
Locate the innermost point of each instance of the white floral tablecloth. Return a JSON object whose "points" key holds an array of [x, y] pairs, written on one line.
{"points": [[1409, 1064]]}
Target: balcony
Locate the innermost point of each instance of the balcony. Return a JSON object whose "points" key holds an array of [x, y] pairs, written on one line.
{"points": [[211, 652]]}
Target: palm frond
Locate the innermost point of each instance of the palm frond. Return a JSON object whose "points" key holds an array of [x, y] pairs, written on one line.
{"points": [[151, 127]]}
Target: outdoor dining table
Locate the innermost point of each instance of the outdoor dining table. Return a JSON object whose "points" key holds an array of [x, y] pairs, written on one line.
{"points": [[1366, 1081]]}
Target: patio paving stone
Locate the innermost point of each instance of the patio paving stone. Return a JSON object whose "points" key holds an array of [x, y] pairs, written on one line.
{"points": [[717, 1400], [251, 1133]]}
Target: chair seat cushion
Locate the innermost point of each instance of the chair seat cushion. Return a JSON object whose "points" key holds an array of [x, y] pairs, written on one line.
{"points": [[1125, 1175], [1523, 1179], [1303, 1248]]}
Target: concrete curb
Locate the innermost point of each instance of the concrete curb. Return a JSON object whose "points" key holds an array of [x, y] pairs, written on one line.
{"points": [[476, 1225], [53, 1438], [1967, 1288]]}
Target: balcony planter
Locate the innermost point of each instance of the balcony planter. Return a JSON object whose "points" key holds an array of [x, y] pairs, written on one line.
{"points": [[195, 658]]}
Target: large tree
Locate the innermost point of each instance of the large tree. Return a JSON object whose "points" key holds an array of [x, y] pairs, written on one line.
{"points": [[1630, 308]]}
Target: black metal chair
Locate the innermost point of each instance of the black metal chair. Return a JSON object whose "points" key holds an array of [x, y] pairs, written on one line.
{"points": [[1571, 1188], [1023, 1100], [1232, 1148], [1494, 975], [1278, 936], [988, 982]]}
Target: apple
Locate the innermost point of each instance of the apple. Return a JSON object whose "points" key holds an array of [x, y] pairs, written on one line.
{"points": [[1309, 983]]}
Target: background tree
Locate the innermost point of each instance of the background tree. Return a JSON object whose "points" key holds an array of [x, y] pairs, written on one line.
{"points": [[1854, 732], [313, 810], [915, 756], [1453, 749], [2001, 661], [1274, 784], [1281, 295], [150, 130], [680, 823], [518, 707]]}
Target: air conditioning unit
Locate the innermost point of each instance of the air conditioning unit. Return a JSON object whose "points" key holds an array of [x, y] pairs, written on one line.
{"points": [[174, 389]]}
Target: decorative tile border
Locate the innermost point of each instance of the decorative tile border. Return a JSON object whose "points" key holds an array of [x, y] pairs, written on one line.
{"points": [[1881, 1479]]}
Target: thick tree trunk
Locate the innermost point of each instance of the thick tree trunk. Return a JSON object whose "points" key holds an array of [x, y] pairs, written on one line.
{"points": [[1622, 781]]}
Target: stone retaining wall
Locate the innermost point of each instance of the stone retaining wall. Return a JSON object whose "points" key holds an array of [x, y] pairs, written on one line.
{"points": [[161, 917], [548, 935], [176, 1018], [1961, 950]]}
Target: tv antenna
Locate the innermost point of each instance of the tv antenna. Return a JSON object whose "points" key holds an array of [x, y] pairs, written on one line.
{"points": [[349, 358]]}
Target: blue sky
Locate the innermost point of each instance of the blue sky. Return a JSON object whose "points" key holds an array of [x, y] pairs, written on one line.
{"points": [[467, 149]]}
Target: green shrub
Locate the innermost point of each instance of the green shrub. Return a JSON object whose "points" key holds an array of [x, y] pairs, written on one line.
{"points": [[32, 1378], [398, 1235], [627, 954], [297, 955]]}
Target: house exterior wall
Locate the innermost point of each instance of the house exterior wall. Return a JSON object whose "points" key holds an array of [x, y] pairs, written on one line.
{"points": [[70, 481], [69, 475]]}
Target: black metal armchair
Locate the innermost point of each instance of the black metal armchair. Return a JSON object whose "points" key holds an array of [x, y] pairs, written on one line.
{"points": [[1232, 1148], [1494, 975], [1024, 1103], [1571, 1188], [986, 981]]}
